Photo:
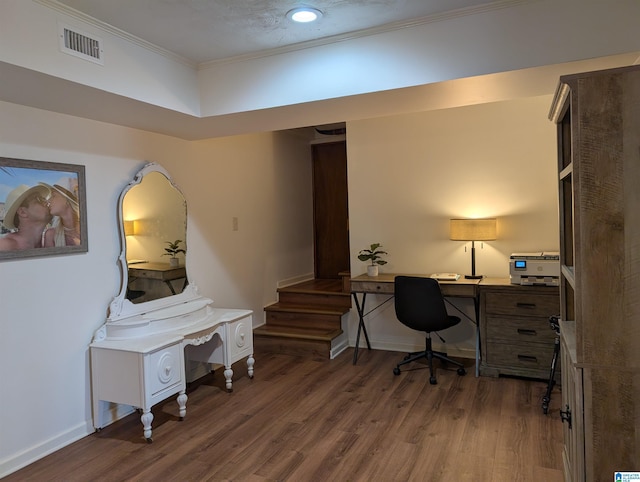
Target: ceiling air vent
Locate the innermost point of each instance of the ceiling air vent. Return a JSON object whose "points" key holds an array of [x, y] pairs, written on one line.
{"points": [[79, 44]]}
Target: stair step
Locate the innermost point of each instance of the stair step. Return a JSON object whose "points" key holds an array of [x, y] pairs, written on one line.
{"points": [[305, 320], [298, 333], [325, 299], [321, 286], [306, 308], [316, 292], [263, 345]]}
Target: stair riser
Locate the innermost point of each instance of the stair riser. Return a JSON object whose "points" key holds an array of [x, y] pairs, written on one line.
{"points": [[314, 299], [274, 344], [302, 320]]}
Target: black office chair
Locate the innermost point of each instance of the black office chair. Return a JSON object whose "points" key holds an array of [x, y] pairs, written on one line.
{"points": [[420, 305]]}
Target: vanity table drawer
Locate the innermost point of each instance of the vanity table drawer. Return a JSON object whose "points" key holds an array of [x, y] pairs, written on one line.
{"points": [[240, 339], [164, 369]]}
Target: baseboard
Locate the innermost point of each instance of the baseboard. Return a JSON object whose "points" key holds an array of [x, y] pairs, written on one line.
{"points": [[295, 280], [341, 343], [15, 462], [450, 349], [338, 345]]}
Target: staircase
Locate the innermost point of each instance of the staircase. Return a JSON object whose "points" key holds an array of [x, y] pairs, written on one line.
{"points": [[305, 320]]}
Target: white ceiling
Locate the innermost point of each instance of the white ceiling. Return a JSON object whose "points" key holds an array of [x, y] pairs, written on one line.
{"points": [[431, 41], [209, 30]]}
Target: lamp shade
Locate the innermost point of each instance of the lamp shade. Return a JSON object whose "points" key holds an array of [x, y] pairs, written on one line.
{"points": [[129, 228], [473, 229]]}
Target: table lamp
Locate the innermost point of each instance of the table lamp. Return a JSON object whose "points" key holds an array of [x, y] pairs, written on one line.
{"points": [[131, 228], [473, 230]]}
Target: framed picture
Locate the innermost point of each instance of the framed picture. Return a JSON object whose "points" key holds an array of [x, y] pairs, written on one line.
{"points": [[43, 209]]}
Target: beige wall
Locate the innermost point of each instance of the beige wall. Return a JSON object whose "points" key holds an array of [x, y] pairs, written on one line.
{"points": [[409, 174]]}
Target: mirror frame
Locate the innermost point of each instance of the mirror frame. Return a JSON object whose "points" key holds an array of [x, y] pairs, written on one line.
{"points": [[120, 307]]}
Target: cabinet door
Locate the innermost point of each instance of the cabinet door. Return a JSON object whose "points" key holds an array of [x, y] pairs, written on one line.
{"points": [[239, 339], [163, 370], [572, 402]]}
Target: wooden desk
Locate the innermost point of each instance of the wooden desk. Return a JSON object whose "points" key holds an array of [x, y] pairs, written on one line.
{"points": [[158, 271], [383, 284], [511, 321]]}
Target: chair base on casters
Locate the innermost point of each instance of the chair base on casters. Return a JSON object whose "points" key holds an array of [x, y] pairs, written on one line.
{"points": [[429, 354]]}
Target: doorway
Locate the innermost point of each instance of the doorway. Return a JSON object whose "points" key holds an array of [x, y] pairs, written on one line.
{"points": [[330, 209]]}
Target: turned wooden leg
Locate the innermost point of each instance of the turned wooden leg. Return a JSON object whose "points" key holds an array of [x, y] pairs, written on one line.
{"points": [[228, 375], [146, 419], [182, 404], [250, 362]]}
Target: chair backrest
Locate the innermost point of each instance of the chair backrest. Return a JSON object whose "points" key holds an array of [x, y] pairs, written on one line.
{"points": [[420, 305]]}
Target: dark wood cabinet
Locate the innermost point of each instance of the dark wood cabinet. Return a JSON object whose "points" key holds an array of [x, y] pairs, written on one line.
{"points": [[516, 336]]}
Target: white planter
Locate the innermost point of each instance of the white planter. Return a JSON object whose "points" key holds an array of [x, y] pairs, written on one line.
{"points": [[174, 262], [372, 270]]}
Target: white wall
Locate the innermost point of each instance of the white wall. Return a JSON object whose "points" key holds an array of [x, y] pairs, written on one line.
{"points": [[409, 174], [494, 39], [501, 37], [51, 306], [29, 38]]}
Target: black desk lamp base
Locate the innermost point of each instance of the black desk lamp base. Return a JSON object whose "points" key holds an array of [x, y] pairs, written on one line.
{"points": [[473, 274]]}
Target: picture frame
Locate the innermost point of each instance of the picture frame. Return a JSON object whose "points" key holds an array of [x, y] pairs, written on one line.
{"points": [[43, 209]]}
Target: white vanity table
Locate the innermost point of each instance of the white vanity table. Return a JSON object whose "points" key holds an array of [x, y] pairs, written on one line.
{"points": [[142, 353]]}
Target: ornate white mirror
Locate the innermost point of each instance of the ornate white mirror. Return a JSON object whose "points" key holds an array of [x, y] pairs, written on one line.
{"points": [[153, 219]]}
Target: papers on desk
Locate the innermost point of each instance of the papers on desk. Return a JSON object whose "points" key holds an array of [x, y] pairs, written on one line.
{"points": [[446, 276]]}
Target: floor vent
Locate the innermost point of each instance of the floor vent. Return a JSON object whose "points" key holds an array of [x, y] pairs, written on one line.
{"points": [[81, 45]]}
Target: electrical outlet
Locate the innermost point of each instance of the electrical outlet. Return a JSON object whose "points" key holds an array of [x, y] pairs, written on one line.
{"points": [[234, 223]]}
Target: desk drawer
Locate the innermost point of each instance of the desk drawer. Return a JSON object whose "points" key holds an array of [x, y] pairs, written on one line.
{"points": [[518, 304], [144, 273], [521, 358], [519, 330], [369, 287]]}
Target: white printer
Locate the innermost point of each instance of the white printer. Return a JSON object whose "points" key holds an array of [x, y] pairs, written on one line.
{"points": [[540, 268]]}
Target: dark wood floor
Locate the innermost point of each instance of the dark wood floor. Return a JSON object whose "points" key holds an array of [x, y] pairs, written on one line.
{"points": [[304, 419]]}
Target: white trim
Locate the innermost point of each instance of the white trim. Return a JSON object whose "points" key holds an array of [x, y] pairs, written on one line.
{"points": [[295, 280], [71, 12], [18, 461], [389, 27]]}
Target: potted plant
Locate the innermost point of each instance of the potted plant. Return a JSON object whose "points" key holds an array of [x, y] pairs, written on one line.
{"points": [[173, 250], [373, 254]]}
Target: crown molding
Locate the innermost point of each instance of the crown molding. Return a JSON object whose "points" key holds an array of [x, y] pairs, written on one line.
{"points": [[389, 27], [105, 27]]}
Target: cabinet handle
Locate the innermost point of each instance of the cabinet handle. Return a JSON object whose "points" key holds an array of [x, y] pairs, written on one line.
{"points": [[528, 306], [528, 358], [565, 416], [527, 331]]}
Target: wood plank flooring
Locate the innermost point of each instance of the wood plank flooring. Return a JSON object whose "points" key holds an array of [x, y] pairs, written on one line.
{"points": [[308, 419]]}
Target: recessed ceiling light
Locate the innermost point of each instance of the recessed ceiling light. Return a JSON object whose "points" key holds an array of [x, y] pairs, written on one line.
{"points": [[304, 14]]}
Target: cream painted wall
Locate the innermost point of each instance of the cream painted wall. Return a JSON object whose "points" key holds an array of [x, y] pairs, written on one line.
{"points": [[264, 181], [52, 306], [409, 174]]}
